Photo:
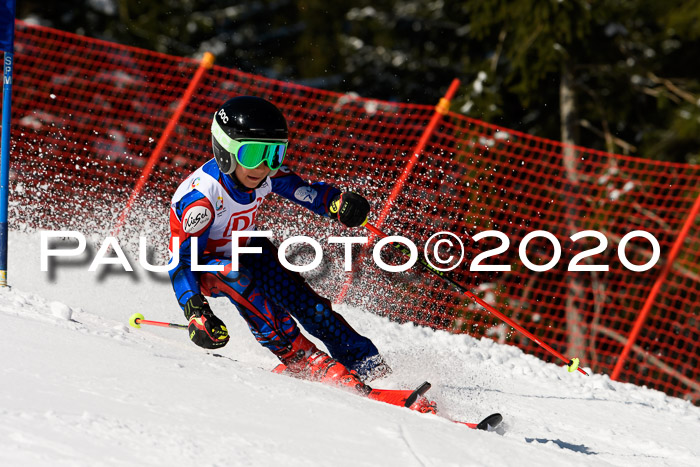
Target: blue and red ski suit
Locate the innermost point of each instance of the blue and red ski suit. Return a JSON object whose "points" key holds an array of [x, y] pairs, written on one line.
{"points": [[209, 205]]}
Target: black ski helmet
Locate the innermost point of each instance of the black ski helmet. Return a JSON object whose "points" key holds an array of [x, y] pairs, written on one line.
{"points": [[249, 118]]}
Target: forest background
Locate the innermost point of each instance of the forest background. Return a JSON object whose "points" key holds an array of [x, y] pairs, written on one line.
{"points": [[616, 75]]}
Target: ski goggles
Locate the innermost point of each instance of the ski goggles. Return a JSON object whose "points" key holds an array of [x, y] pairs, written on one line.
{"points": [[250, 154]]}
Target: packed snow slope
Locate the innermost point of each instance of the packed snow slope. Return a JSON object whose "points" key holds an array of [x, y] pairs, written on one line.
{"points": [[80, 387]]}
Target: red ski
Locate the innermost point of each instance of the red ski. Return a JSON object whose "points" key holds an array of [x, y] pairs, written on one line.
{"points": [[414, 400], [399, 397]]}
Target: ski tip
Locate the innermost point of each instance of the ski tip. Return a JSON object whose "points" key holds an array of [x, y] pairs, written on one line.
{"points": [[490, 423], [423, 388], [420, 390]]}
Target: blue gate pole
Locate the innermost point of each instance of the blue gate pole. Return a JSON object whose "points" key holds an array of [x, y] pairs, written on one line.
{"points": [[5, 162]]}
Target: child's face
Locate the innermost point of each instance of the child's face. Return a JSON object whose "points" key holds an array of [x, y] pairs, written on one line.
{"points": [[251, 178]]}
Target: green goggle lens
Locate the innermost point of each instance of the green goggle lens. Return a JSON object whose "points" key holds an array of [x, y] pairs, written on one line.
{"points": [[251, 154]]}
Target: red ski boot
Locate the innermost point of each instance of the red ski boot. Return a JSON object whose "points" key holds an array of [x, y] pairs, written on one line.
{"points": [[330, 371], [294, 360], [305, 361]]}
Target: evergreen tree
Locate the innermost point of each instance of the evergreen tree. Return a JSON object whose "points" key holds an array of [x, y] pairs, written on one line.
{"points": [[623, 57]]}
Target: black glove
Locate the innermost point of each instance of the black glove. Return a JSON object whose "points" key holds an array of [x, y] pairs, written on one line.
{"points": [[206, 330], [350, 208]]}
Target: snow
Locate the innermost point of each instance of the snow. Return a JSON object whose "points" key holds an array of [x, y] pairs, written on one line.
{"points": [[81, 387]]}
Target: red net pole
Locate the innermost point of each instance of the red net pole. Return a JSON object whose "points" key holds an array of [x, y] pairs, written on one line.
{"points": [[440, 109], [204, 65], [675, 249]]}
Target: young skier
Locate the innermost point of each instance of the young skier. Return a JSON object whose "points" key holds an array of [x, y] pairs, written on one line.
{"points": [[249, 139]]}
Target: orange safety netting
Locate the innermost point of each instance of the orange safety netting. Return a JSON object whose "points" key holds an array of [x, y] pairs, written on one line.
{"points": [[87, 115]]}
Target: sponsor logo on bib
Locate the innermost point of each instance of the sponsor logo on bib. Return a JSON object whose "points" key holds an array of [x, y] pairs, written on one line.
{"points": [[196, 219]]}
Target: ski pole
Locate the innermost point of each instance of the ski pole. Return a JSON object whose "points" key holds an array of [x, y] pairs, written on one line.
{"points": [[571, 363], [136, 320]]}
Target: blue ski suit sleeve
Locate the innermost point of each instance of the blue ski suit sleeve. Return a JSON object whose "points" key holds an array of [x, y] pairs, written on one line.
{"points": [[184, 280], [316, 196]]}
